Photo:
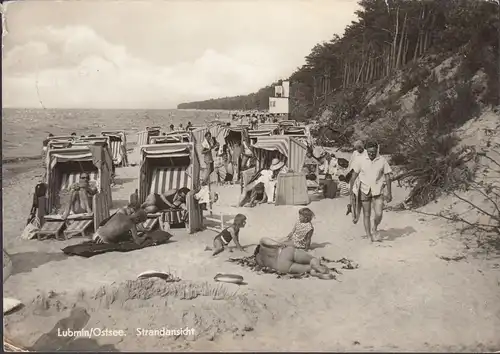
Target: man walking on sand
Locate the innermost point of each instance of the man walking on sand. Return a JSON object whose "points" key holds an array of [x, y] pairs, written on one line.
{"points": [[374, 174]]}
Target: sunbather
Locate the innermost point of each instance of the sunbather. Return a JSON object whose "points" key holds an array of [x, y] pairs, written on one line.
{"points": [[172, 199], [81, 194], [287, 259], [121, 227]]}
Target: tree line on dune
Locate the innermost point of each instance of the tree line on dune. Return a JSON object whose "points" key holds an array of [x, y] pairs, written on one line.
{"points": [[388, 36]]}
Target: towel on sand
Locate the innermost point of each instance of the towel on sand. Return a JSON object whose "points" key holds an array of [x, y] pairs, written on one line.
{"points": [[88, 249]]}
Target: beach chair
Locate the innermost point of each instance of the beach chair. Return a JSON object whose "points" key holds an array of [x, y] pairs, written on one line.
{"points": [[171, 138], [144, 137], [118, 146], [287, 148], [170, 167], [273, 127], [64, 167]]}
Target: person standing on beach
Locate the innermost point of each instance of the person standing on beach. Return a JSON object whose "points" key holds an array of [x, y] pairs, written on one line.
{"points": [[246, 152], [207, 148], [236, 157], [172, 128], [330, 165], [374, 175]]}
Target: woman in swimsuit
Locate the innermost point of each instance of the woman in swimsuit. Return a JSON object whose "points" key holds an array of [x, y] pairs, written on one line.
{"points": [[287, 259], [172, 199], [229, 234]]}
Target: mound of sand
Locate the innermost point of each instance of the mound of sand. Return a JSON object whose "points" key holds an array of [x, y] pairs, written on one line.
{"points": [[151, 304]]}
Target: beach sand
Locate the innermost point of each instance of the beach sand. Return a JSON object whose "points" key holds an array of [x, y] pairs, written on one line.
{"points": [[403, 297]]}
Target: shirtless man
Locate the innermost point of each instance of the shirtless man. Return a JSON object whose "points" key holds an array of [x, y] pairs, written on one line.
{"points": [[171, 199], [81, 193], [118, 226]]}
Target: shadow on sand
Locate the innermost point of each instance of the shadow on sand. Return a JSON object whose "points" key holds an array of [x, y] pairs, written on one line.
{"points": [[392, 234], [56, 340], [121, 181], [25, 262]]}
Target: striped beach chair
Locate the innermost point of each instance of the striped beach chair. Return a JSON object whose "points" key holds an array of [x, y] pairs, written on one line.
{"points": [[60, 176], [117, 152], [167, 167], [117, 142]]}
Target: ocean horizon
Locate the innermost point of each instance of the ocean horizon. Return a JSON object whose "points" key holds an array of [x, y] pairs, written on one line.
{"points": [[24, 129]]}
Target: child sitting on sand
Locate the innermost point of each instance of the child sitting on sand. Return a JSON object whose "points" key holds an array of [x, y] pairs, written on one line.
{"points": [[229, 234], [302, 231]]}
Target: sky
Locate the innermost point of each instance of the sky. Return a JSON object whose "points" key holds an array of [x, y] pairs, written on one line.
{"points": [[158, 53]]}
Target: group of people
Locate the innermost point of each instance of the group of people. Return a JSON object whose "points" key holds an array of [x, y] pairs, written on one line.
{"points": [[231, 160], [255, 118], [369, 186], [369, 178], [288, 255], [181, 127]]}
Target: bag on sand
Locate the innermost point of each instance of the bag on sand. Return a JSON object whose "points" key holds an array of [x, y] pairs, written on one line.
{"points": [[31, 229]]}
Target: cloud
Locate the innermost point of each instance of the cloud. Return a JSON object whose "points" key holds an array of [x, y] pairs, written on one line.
{"points": [[156, 54], [73, 66]]}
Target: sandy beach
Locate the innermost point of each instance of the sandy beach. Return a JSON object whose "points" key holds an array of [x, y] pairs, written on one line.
{"points": [[402, 297]]}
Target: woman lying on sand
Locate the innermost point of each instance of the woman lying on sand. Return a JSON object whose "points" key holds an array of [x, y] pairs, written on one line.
{"points": [[288, 259], [172, 199]]}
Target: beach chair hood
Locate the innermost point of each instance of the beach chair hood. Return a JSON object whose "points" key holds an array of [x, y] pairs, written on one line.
{"points": [[167, 152], [291, 148]]}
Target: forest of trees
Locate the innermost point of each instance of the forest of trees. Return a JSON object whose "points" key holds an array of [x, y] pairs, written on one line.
{"points": [[388, 35], [258, 100]]}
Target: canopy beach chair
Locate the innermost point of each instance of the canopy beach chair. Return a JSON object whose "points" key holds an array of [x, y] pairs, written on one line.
{"points": [[118, 146], [172, 137], [286, 148], [55, 142], [295, 130], [254, 134], [143, 137], [61, 138], [170, 167], [273, 127], [64, 167]]}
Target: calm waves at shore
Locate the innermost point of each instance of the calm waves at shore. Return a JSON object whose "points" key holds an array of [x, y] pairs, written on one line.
{"points": [[25, 129]]}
